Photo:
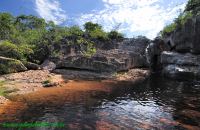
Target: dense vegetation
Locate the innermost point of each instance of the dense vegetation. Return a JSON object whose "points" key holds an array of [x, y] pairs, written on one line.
{"points": [[193, 6], [29, 38], [192, 9]]}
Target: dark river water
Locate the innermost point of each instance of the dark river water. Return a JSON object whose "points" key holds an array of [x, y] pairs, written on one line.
{"points": [[154, 104]]}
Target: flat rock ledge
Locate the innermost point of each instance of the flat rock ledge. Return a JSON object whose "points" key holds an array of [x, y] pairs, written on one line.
{"points": [[131, 75]]}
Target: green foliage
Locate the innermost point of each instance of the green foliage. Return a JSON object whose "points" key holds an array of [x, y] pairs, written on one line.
{"points": [[192, 9], [46, 82], [24, 22], [115, 35], [32, 39], [9, 66], [98, 34], [89, 26], [75, 30], [169, 28], [89, 46], [41, 51], [26, 50], [8, 49], [6, 26], [193, 6], [90, 50], [56, 33], [22, 32], [95, 31], [178, 23], [182, 18]]}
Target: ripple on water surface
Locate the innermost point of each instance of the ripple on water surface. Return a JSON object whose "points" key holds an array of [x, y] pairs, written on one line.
{"points": [[153, 104]]}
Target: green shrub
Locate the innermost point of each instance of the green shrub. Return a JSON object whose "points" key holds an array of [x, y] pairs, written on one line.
{"points": [[89, 26], [26, 50], [46, 81], [182, 18], [41, 51], [90, 48], [10, 50], [168, 29], [95, 31], [98, 34], [178, 23], [75, 30], [115, 35], [6, 26]]}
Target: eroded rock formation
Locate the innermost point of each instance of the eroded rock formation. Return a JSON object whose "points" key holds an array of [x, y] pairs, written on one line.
{"points": [[124, 55], [181, 58]]}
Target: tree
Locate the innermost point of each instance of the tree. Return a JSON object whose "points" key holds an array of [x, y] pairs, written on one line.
{"points": [[24, 22], [95, 31], [6, 26], [75, 30], [89, 26], [98, 34], [115, 35], [193, 6], [8, 49]]}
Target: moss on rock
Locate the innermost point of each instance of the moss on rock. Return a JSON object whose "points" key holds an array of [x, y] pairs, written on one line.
{"points": [[8, 65]]}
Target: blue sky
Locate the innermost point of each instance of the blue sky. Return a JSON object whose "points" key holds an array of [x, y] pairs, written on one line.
{"points": [[131, 17]]}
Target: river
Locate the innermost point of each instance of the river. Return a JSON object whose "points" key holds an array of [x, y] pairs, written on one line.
{"points": [[154, 104]]}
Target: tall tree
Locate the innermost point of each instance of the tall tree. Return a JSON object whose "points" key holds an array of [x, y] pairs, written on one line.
{"points": [[6, 26]]}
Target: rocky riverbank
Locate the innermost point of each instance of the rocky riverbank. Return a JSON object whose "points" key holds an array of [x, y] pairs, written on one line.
{"points": [[34, 80], [123, 60]]}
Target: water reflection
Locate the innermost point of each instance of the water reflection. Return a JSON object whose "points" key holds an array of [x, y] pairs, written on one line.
{"points": [[156, 103]]}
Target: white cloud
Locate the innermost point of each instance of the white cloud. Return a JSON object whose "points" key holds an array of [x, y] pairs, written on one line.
{"points": [[50, 10], [137, 17]]}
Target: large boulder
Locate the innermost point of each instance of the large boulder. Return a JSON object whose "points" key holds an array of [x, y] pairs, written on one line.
{"points": [[48, 65], [8, 65], [31, 66], [84, 63], [186, 38], [102, 62], [122, 55]]}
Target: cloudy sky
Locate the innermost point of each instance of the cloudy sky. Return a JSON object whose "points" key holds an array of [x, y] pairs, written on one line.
{"points": [[132, 17]]}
